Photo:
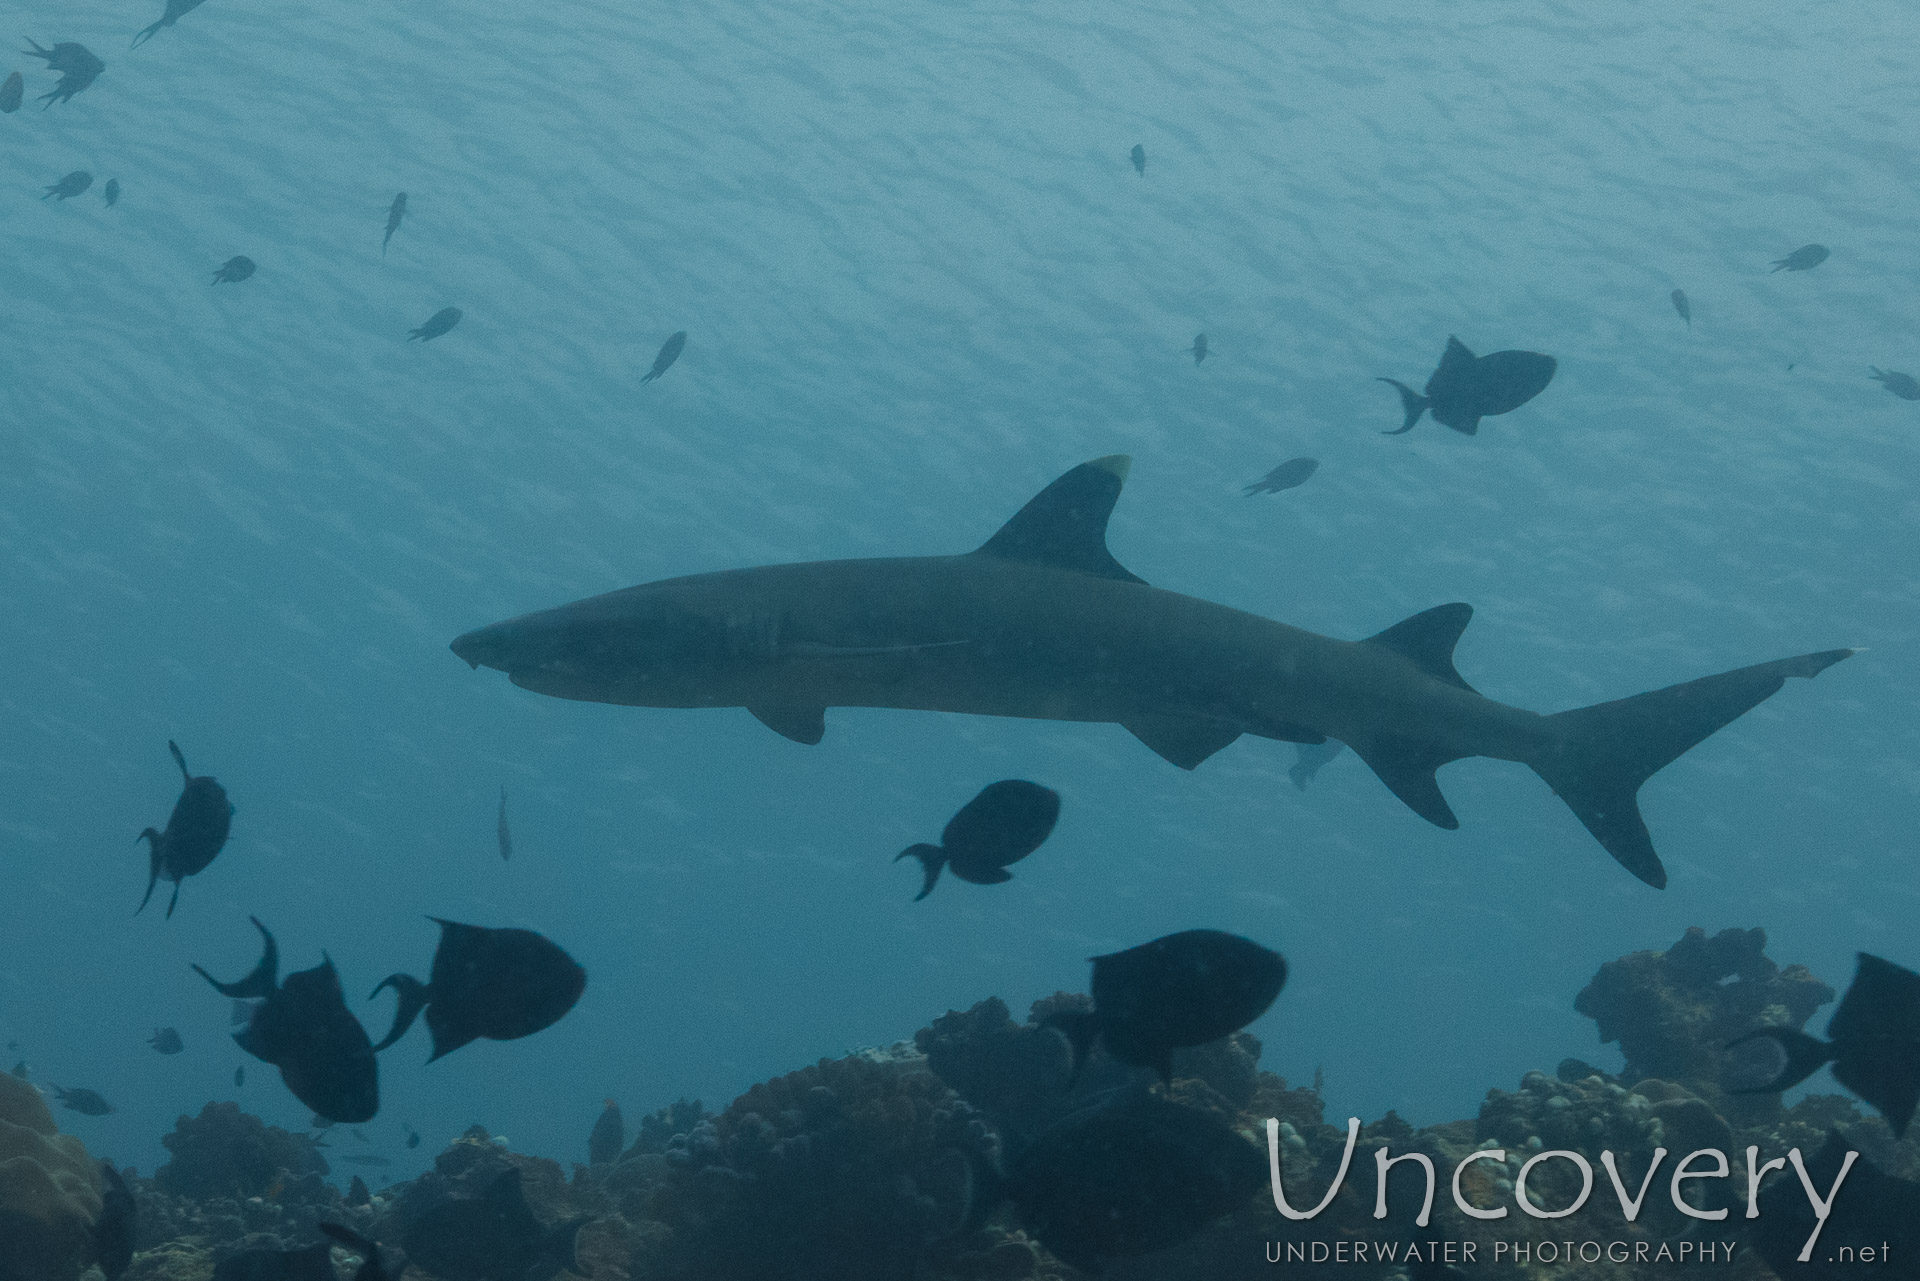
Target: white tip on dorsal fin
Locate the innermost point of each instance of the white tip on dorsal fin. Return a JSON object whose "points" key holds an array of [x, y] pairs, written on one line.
{"points": [[1065, 525]]}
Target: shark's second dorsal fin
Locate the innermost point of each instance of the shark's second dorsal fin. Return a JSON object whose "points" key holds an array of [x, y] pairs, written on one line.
{"points": [[1065, 524], [1427, 640]]}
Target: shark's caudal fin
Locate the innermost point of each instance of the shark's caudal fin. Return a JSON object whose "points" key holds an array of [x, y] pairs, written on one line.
{"points": [[1065, 524], [1602, 754]]}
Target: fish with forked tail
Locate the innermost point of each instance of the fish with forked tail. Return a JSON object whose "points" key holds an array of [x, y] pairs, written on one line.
{"points": [[1006, 822], [1905, 386], [1466, 388], [76, 64], [501, 984], [70, 186], [669, 352], [175, 10], [196, 832], [1805, 258]]}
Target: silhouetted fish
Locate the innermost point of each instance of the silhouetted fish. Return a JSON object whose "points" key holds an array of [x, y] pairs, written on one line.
{"points": [[357, 1192], [312, 1263], [504, 832], [20, 1069], [372, 1268], [1466, 388], [1182, 990], [70, 186], [1873, 1210], [492, 1237], [166, 1040], [1199, 348], [76, 64], [11, 93], [111, 192], [234, 270], [608, 1137], [303, 1027], [1006, 822], [240, 1075], [196, 831], [1128, 1176], [175, 9], [1308, 759], [438, 323], [85, 1102], [1681, 305], [395, 212], [413, 1136], [114, 1230], [501, 984], [1804, 258], [1873, 1043], [1288, 475], [1901, 385], [1139, 157], [669, 352]]}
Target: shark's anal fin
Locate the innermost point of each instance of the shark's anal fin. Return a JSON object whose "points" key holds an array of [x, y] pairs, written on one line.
{"points": [[801, 724], [1065, 524], [1181, 740], [1407, 767], [1427, 639]]}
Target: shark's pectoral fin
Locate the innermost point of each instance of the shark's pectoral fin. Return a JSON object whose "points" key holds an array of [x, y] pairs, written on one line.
{"points": [[1065, 524], [1181, 740], [1427, 639], [801, 724], [1407, 767]]}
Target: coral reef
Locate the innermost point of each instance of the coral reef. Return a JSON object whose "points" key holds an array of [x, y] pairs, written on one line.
{"points": [[50, 1191], [225, 1152]]}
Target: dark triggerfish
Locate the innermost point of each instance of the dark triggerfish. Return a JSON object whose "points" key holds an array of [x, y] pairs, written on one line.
{"points": [[608, 1137], [501, 984], [303, 1027], [76, 64], [1873, 1233], [114, 1231], [669, 352], [175, 10], [196, 830], [1128, 1176], [1182, 990], [234, 270], [1873, 1043], [1466, 388], [1805, 258], [1901, 385], [166, 1040], [1006, 822], [70, 186], [492, 1237], [1288, 475]]}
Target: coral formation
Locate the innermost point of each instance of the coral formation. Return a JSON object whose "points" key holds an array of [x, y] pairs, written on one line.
{"points": [[225, 1152], [50, 1191]]}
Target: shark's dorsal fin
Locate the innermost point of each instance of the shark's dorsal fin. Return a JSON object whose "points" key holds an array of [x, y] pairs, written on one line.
{"points": [[1427, 639], [806, 725], [1065, 524]]}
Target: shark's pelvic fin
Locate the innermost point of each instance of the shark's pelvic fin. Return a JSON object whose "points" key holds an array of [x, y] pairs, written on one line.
{"points": [[1602, 754], [1427, 640], [1181, 740], [801, 724], [1406, 767], [1065, 524]]}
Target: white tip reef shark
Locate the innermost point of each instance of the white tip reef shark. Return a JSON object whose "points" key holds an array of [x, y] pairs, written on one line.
{"points": [[1042, 622]]}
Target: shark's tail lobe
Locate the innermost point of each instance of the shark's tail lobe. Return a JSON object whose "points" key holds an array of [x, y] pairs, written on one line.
{"points": [[1602, 754]]}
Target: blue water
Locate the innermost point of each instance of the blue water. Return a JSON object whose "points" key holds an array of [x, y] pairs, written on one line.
{"points": [[921, 279]]}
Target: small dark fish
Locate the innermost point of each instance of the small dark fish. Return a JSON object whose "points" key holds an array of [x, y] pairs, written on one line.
{"points": [[1466, 388], [1874, 1211], [166, 1040], [175, 9], [609, 1136], [303, 1027], [1805, 258], [1182, 990], [240, 1012], [669, 352], [11, 93], [111, 192], [361, 1158], [76, 64], [85, 1102], [1901, 385], [347, 1239], [413, 1136], [1309, 759], [313, 1263], [240, 1076], [1288, 475], [501, 984], [1199, 348], [1681, 305], [234, 270], [113, 1231], [1873, 1043], [20, 1069], [1125, 1177], [196, 830], [1139, 157], [358, 1192], [70, 186], [502, 830], [395, 212], [492, 1237], [438, 323], [1006, 822]]}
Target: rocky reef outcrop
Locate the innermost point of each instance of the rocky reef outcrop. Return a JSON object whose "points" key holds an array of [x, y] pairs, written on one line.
{"points": [[50, 1191]]}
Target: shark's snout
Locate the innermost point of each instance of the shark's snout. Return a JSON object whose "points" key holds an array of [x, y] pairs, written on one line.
{"points": [[482, 647]]}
